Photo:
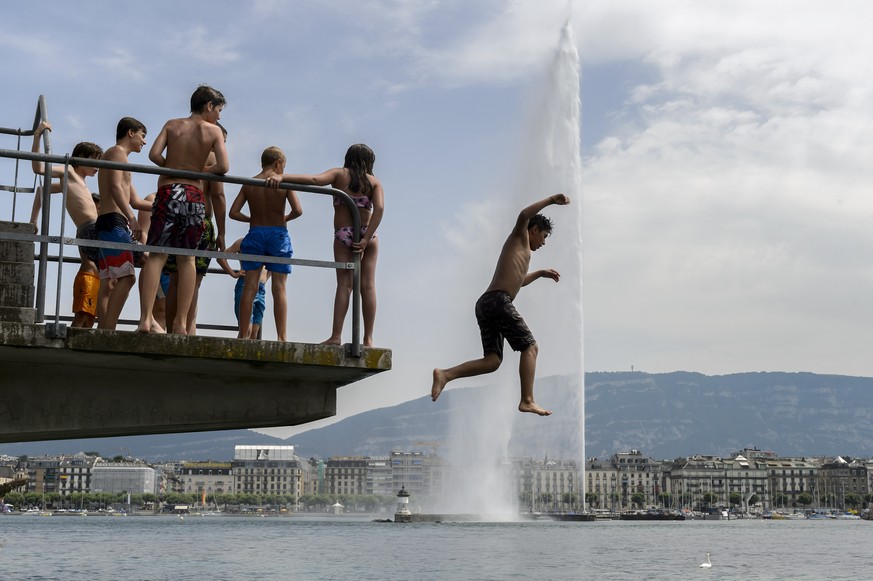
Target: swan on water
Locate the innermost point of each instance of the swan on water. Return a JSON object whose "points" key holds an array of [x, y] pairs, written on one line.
{"points": [[708, 564]]}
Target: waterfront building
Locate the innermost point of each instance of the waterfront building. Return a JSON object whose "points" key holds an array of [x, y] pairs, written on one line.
{"points": [[207, 478], [12, 469], [423, 476], [380, 480], [841, 484], [345, 475], [546, 485], [868, 464], [436, 474], [42, 474], [701, 482], [407, 472], [603, 480], [267, 470], [744, 479], [639, 475], [313, 476], [787, 479], [75, 472], [114, 477], [556, 483]]}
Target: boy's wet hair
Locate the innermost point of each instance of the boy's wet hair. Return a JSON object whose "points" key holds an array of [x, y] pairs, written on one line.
{"points": [[359, 161], [87, 150], [544, 223], [271, 155], [203, 95], [128, 124]]}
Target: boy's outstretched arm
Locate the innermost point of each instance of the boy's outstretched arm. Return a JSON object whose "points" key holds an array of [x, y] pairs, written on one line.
{"points": [[323, 179], [545, 273], [536, 207]]}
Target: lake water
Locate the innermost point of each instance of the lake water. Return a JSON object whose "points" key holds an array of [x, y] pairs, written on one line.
{"points": [[224, 547]]}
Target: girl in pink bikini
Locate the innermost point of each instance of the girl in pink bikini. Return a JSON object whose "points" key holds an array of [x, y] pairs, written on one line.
{"points": [[357, 180]]}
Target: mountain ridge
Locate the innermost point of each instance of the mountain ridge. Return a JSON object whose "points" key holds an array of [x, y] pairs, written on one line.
{"points": [[664, 415]]}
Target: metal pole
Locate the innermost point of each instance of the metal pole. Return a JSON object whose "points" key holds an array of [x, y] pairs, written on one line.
{"points": [[46, 208], [57, 329], [15, 180]]}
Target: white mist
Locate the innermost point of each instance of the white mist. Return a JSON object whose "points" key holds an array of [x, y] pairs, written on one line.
{"points": [[479, 440]]}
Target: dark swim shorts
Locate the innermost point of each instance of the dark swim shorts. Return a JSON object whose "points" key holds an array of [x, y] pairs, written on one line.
{"points": [[87, 231], [178, 213], [201, 263], [498, 320]]}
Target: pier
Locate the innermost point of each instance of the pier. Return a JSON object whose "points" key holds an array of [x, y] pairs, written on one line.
{"points": [[60, 382]]}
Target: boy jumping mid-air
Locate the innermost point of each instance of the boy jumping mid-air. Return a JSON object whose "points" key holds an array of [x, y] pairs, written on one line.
{"points": [[495, 313]]}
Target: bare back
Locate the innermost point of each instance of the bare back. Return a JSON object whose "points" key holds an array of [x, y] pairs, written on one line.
{"points": [[188, 142], [513, 263], [266, 205], [341, 217]]}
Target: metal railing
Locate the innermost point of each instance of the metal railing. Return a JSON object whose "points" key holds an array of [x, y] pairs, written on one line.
{"points": [[40, 116], [48, 159]]}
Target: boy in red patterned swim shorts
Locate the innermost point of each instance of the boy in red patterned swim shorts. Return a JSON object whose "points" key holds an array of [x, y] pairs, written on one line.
{"points": [[179, 209], [495, 313]]}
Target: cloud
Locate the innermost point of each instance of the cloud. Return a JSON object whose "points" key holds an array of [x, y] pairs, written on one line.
{"points": [[199, 43], [728, 214]]}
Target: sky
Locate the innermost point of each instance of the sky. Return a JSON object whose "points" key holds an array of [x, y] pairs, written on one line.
{"points": [[725, 171]]}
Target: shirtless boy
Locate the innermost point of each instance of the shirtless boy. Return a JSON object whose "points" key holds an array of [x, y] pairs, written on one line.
{"points": [[179, 209], [83, 212], [267, 236], [495, 313], [212, 239], [117, 223]]}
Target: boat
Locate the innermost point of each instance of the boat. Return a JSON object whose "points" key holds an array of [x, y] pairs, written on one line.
{"points": [[652, 515]]}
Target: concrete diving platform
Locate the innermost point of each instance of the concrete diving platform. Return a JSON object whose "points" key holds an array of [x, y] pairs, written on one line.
{"points": [[95, 383]]}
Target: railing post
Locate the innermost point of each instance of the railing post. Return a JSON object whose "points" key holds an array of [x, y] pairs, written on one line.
{"points": [[356, 281], [46, 201]]}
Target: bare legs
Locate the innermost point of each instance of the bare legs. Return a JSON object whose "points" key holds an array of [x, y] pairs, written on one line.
{"points": [[185, 293], [149, 279], [280, 303], [250, 289], [527, 368], [344, 284], [111, 299], [489, 363]]}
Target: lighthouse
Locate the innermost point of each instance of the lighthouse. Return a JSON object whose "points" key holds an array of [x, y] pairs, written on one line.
{"points": [[403, 514]]}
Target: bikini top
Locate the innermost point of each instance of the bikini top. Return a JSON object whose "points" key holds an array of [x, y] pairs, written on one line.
{"points": [[360, 202]]}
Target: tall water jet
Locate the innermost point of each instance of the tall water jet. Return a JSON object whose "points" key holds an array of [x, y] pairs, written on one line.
{"points": [[489, 430]]}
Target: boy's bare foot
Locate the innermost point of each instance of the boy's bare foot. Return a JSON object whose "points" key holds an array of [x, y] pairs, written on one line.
{"points": [[151, 327], [331, 341], [533, 408], [439, 382]]}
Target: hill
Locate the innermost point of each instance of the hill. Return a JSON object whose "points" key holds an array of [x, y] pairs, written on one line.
{"points": [[663, 415]]}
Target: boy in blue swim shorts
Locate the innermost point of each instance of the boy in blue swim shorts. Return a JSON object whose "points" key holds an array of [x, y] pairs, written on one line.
{"points": [[260, 301], [268, 237]]}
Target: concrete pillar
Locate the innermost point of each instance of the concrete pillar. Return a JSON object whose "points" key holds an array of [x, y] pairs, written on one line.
{"points": [[17, 275]]}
